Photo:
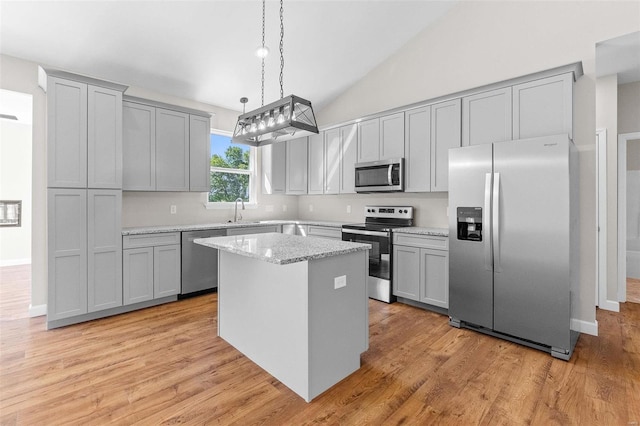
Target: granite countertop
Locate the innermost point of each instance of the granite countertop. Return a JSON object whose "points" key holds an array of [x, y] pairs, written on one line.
{"points": [[281, 249], [222, 225], [416, 230]]}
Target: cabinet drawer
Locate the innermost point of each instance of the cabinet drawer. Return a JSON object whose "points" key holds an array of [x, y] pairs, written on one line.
{"points": [[324, 231], [150, 240], [423, 241]]}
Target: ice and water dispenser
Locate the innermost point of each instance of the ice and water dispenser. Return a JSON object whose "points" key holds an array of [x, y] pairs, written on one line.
{"points": [[470, 223]]}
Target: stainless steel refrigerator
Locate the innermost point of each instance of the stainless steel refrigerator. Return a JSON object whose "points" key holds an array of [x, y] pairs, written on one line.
{"points": [[513, 241]]}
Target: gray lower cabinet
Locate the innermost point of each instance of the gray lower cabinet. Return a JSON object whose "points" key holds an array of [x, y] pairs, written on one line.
{"points": [[150, 266], [104, 248], [67, 252], [85, 251], [421, 269]]}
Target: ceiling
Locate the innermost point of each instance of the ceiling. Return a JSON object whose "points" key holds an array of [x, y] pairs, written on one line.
{"points": [[620, 55], [204, 50]]}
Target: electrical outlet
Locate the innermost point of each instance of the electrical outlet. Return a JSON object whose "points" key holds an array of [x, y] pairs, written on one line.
{"points": [[339, 282], [310, 207], [348, 208], [284, 207], [174, 209]]}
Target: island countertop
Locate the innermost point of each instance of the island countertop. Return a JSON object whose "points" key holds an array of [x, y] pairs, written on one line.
{"points": [[281, 249]]}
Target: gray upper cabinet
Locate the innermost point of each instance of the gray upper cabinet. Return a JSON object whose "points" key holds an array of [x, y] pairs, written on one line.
{"points": [[67, 253], [104, 248], [315, 164], [165, 147], [417, 148], [172, 150], [199, 154], [487, 117], [392, 136], [348, 158], [445, 134], [66, 133], [273, 168], [332, 161], [369, 140], [139, 147], [381, 138], [543, 107], [104, 140], [296, 169]]}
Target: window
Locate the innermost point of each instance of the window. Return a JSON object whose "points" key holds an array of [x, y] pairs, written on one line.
{"points": [[232, 170]]}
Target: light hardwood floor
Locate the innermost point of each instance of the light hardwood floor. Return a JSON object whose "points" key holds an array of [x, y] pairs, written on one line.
{"points": [[165, 365], [633, 290]]}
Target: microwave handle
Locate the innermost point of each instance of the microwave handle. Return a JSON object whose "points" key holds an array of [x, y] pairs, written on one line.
{"points": [[390, 175]]}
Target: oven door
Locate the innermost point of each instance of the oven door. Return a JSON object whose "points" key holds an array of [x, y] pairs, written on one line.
{"points": [[380, 252]]}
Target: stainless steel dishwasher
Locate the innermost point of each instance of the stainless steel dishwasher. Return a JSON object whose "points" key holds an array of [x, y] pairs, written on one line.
{"points": [[199, 263]]}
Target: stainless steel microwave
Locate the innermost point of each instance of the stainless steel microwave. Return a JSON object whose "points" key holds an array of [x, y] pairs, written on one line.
{"points": [[380, 176]]}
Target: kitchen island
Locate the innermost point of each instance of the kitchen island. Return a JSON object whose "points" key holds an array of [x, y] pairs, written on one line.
{"points": [[296, 306]]}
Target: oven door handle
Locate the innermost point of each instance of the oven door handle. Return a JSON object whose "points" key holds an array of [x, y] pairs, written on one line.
{"points": [[364, 232]]}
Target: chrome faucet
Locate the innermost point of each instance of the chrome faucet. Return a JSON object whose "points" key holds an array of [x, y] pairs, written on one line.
{"points": [[237, 217]]}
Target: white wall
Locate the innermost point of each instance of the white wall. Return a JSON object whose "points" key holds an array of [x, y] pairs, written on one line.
{"points": [[15, 184], [607, 118], [629, 107], [480, 43]]}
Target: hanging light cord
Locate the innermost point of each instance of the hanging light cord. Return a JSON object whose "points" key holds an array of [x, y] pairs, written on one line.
{"points": [[263, 25], [281, 48]]}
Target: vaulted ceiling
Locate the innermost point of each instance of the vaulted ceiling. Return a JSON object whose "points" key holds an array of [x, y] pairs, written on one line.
{"points": [[204, 50]]}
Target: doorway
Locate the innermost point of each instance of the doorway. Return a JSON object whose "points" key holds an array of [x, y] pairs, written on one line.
{"points": [[629, 217], [16, 117]]}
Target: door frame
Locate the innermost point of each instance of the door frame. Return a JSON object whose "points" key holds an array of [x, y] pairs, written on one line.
{"points": [[622, 212], [601, 218]]}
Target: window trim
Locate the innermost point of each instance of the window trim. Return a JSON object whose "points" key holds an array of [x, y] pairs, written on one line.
{"points": [[251, 171]]}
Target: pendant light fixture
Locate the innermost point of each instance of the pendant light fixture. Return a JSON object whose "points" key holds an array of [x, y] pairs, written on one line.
{"points": [[289, 118]]}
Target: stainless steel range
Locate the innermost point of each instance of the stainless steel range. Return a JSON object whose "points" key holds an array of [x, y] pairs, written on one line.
{"points": [[376, 230]]}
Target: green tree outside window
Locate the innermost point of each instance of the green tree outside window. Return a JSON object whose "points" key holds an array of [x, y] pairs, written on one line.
{"points": [[230, 172]]}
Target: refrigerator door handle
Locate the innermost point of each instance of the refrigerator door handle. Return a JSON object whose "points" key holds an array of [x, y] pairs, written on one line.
{"points": [[488, 261], [495, 223]]}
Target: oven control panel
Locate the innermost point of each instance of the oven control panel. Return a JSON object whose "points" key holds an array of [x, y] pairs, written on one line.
{"points": [[392, 212]]}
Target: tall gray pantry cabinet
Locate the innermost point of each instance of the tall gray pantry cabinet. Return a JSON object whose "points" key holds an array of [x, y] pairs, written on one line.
{"points": [[84, 195]]}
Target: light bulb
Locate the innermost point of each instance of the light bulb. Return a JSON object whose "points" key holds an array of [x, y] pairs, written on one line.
{"points": [[262, 124], [253, 127], [271, 122], [281, 116], [262, 51]]}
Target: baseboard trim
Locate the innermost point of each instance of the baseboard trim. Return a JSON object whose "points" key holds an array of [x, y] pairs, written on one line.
{"points": [[585, 326], [15, 262], [37, 310], [610, 305]]}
